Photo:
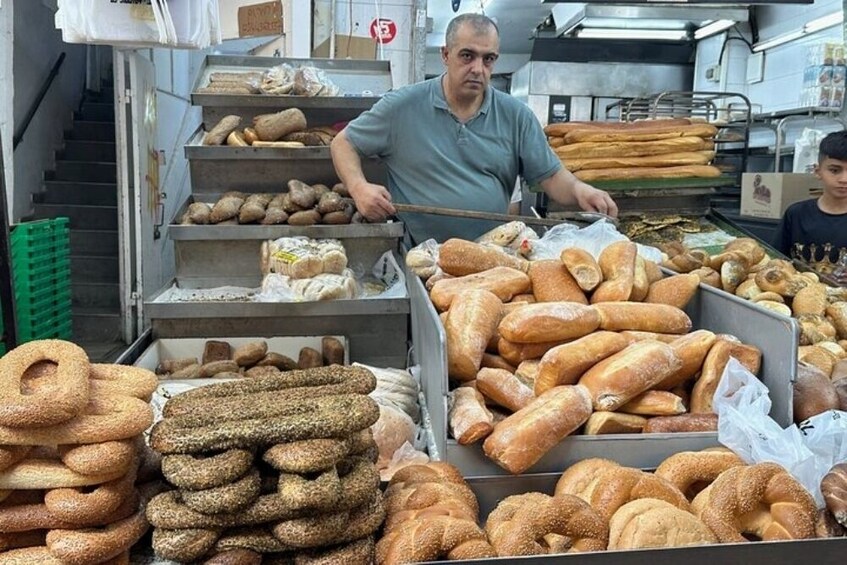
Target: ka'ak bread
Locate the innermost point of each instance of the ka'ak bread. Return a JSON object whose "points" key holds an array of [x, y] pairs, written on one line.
{"points": [[668, 160], [713, 366], [471, 322], [628, 173], [639, 367], [598, 149], [551, 282]]}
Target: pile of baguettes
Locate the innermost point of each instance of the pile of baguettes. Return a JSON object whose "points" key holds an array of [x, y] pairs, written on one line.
{"points": [[650, 149], [541, 349]]}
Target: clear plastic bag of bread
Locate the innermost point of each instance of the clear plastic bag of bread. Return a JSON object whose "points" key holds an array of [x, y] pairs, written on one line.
{"points": [[515, 238], [422, 259], [807, 450], [592, 238], [312, 81]]}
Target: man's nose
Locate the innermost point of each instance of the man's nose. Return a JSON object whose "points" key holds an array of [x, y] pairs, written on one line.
{"points": [[477, 65]]}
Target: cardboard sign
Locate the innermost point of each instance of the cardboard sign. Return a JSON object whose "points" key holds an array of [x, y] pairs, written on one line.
{"points": [[260, 19]]}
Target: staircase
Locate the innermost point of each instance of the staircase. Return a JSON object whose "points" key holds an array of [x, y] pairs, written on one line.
{"points": [[83, 187]]}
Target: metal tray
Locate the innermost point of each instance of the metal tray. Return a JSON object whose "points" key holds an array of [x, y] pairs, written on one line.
{"points": [[218, 169], [375, 328], [492, 489], [214, 256], [362, 82], [777, 337]]}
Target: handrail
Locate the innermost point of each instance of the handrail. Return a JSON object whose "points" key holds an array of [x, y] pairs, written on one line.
{"points": [[45, 86]]}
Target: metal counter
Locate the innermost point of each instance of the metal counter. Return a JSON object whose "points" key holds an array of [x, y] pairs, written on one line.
{"points": [[490, 490], [219, 168], [775, 335]]}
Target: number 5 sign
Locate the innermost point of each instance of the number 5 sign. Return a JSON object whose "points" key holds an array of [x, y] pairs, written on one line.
{"points": [[383, 30]]}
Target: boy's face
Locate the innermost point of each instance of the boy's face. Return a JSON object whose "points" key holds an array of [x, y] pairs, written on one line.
{"points": [[833, 174]]}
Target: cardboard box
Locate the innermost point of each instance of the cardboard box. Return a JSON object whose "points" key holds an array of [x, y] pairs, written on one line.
{"points": [[767, 195], [348, 47]]}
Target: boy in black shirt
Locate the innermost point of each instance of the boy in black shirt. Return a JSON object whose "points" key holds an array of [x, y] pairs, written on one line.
{"points": [[815, 230]]}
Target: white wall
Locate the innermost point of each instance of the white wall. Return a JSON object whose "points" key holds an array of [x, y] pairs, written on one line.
{"points": [[37, 45], [6, 95]]}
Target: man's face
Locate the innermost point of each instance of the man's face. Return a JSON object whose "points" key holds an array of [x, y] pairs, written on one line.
{"points": [[833, 174], [470, 61]]}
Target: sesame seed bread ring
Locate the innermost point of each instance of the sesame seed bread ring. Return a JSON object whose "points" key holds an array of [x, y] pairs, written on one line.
{"points": [[99, 458], [260, 540], [199, 472], [323, 490], [687, 469], [353, 553], [326, 529], [11, 454], [313, 455], [763, 500], [17, 540], [432, 540], [64, 401], [49, 474], [41, 555], [236, 557], [580, 479], [35, 516], [331, 416], [74, 505], [123, 379], [107, 417], [617, 486], [520, 525], [184, 545], [225, 499], [83, 547], [358, 483]]}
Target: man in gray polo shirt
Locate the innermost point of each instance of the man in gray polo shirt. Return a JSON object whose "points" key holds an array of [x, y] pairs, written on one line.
{"points": [[455, 142]]}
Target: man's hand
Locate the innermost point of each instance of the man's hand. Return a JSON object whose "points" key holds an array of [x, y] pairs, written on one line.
{"points": [[373, 201], [591, 199]]}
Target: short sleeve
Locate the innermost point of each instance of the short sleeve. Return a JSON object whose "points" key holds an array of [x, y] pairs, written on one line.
{"points": [[782, 238], [537, 160], [370, 133]]}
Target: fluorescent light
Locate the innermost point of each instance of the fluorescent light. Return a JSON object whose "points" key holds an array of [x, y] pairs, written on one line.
{"points": [[712, 28], [829, 20], [778, 40], [603, 33]]}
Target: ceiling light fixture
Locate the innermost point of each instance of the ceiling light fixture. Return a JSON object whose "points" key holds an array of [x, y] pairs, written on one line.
{"points": [[818, 24], [605, 33], [814, 26], [713, 28], [777, 41]]}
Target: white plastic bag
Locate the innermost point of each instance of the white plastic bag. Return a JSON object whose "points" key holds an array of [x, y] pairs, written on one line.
{"points": [[807, 452], [806, 150], [592, 238]]}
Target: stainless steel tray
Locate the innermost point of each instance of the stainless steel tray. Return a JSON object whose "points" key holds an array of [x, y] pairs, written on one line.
{"points": [[492, 489], [218, 169], [777, 336]]}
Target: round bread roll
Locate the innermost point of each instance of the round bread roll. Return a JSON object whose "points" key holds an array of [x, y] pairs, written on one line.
{"points": [[650, 522], [813, 393]]}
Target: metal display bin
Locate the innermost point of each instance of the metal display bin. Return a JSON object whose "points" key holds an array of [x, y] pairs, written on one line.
{"points": [[212, 256], [362, 83], [492, 489], [775, 335], [217, 169]]}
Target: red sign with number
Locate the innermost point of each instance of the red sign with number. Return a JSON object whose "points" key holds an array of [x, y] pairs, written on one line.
{"points": [[383, 30]]}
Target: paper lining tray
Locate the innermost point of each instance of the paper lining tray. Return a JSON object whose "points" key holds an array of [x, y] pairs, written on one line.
{"points": [[362, 83], [220, 168], [492, 489], [775, 335]]}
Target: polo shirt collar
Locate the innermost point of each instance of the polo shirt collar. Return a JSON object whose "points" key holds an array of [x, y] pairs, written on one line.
{"points": [[439, 101]]}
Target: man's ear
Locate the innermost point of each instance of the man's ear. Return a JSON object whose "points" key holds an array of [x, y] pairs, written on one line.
{"points": [[444, 52]]}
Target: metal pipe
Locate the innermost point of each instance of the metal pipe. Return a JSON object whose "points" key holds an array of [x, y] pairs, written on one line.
{"points": [[45, 86], [7, 301], [332, 29]]}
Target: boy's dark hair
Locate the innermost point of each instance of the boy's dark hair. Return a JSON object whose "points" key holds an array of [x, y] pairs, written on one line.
{"points": [[834, 146]]}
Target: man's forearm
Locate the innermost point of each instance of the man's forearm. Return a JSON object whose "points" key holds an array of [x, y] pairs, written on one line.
{"points": [[346, 160], [561, 187]]}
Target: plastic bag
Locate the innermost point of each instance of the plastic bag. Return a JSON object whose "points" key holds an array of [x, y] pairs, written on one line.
{"points": [[806, 451], [406, 455], [592, 238], [515, 238], [806, 150], [422, 259]]}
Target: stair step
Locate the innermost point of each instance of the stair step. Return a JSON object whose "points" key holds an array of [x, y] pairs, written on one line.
{"points": [[84, 150], [96, 111], [91, 217], [96, 324], [105, 95], [94, 269], [93, 131], [99, 295], [94, 242], [86, 171], [82, 193]]}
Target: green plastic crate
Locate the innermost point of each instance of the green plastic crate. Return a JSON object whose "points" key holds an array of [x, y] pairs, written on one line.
{"points": [[52, 327]]}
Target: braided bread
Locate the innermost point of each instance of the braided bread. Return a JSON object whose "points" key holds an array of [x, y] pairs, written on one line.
{"points": [[433, 539], [762, 499], [450, 507], [834, 490], [432, 472], [617, 486], [692, 469], [419, 496], [525, 524]]}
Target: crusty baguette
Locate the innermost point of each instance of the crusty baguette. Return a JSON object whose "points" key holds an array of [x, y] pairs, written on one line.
{"points": [[504, 388], [560, 129], [583, 267], [493, 361], [471, 322], [519, 441], [601, 423], [459, 257], [653, 133], [517, 353], [504, 282], [680, 172], [676, 290], [617, 262], [692, 348], [640, 316], [564, 364], [640, 282], [551, 282], [639, 367], [654, 403], [470, 420], [684, 158], [549, 321], [597, 149], [636, 335]]}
